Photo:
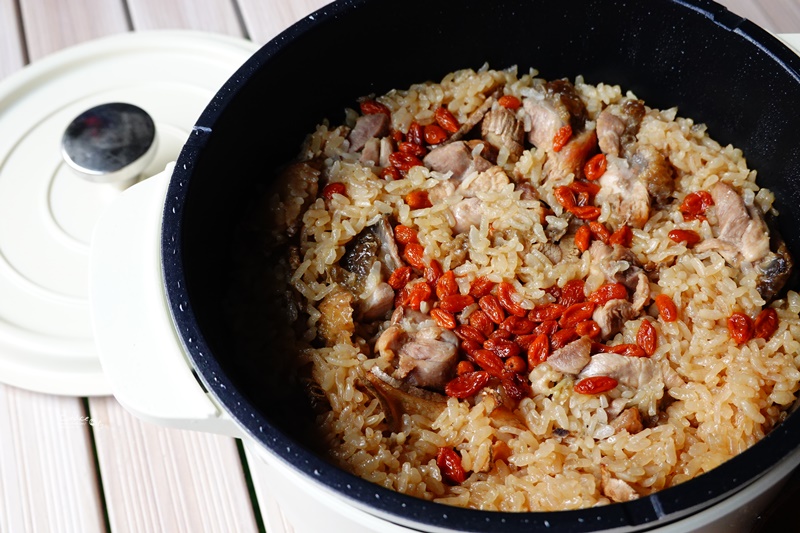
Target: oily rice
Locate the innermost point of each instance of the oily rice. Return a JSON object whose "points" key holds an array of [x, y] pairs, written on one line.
{"points": [[708, 398]]}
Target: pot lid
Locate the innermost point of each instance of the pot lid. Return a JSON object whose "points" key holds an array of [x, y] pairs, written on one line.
{"points": [[48, 211]]}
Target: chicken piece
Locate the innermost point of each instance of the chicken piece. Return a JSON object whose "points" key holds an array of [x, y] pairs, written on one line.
{"points": [[501, 129], [629, 420], [551, 251], [615, 489], [632, 372], [467, 213], [298, 180], [618, 264], [426, 353], [491, 179], [398, 398], [655, 172], [474, 118], [617, 126], [743, 234], [455, 157], [389, 254], [377, 303], [571, 359], [335, 323], [625, 193], [571, 159], [387, 148], [545, 121], [367, 127], [371, 153], [612, 315]]}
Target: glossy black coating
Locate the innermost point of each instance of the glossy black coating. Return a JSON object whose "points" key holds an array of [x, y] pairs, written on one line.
{"points": [[716, 67]]}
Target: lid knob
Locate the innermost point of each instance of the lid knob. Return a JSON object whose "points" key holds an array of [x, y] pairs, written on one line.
{"points": [[110, 143]]}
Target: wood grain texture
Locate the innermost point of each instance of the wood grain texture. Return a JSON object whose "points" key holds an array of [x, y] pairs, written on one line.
{"points": [[218, 16], [47, 475], [51, 25], [160, 479], [12, 51]]}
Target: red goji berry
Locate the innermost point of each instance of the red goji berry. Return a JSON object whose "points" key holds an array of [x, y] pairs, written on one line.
{"points": [[465, 331], [446, 120], [685, 235], [371, 107], [467, 385], [419, 292], [565, 196], [505, 293], [666, 308], [414, 255], [517, 325], [435, 134], [583, 238], [548, 327], [740, 327], [480, 320], [491, 306], [515, 364], [562, 137], [572, 293], [434, 271], [444, 319], [631, 350], [544, 312], [446, 285], [415, 134], [647, 337], [576, 313], [595, 385], [480, 287], [417, 150], [403, 161], [766, 324], [514, 386], [504, 348], [562, 337], [588, 328], [464, 367], [623, 236], [404, 234], [334, 188], [599, 231], [595, 167], [538, 351], [694, 205], [455, 303], [418, 200], [509, 101], [586, 212], [489, 361], [607, 292], [391, 173], [399, 278]]}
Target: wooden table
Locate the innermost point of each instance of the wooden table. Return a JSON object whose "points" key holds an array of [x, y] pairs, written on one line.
{"points": [[85, 464]]}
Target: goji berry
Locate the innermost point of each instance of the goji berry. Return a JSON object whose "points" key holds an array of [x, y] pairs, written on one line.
{"points": [[623, 236], [517, 325], [464, 367], [467, 385], [509, 101], [586, 212], [334, 188], [565, 196], [607, 292], [444, 319], [576, 313], [595, 385], [465, 331], [766, 324], [480, 287], [562, 137], [515, 364], [583, 238], [403, 161], [391, 173], [489, 361], [548, 327], [446, 120], [399, 278], [666, 308], [562, 337], [404, 234], [694, 205], [685, 235], [504, 348], [599, 231], [647, 337], [415, 134], [417, 150], [595, 167], [449, 463], [543, 312], [414, 255], [480, 320], [588, 328], [435, 134], [631, 350], [538, 351], [572, 293], [420, 292], [505, 293], [514, 386], [740, 327], [455, 303], [371, 107], [491, 306], [418, 200], [446, 285], [433, 271]]}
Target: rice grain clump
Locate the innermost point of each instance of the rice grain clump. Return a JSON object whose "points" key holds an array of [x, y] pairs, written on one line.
{"points": [[526, 295]]}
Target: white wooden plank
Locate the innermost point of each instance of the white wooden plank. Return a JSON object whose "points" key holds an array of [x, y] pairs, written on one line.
{"points": [[205, 15], [265, 20], [160, 479], [51, 25], [751, 10], [12, 55], [264, 485], [783, 14], [48, 480]]}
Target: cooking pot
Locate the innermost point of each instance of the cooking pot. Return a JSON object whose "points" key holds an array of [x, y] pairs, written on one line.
{"points": [[161, 259]]}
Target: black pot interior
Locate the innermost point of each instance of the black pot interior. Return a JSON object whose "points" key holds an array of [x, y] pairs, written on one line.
{"points": [[717, 68]]}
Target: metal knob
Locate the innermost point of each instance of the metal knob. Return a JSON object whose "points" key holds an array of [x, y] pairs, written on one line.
{"points": [[110, 143]]}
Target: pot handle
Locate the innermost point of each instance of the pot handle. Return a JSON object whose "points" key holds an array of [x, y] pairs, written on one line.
{"points": [[140, 352]]}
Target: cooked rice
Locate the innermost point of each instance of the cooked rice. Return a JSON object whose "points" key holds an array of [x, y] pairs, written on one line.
{"points": [[733, 395]]}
